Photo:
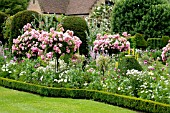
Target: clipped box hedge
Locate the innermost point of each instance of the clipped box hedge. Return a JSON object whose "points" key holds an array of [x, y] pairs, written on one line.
{"points": [[114, 99], [154, 43]]}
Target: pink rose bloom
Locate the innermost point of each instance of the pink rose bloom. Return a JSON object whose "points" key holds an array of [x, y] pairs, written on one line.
{"points": [[14, 48], [60, 45], [57, 49], [34, 49], [127, 44], [95, 42], [16, 41], [105, 36], [78, 43], [70, 33], [40, 52], [60, 34], [28, 55], [67, 37], [116, 43], [49, 55], [52, 30], [98, 36], [116, 36], [30, 38], [26, 27], [125, 34], [43, 46], [29, 45], [68, 50], [60, 39], [42, 57], [46, 40]]}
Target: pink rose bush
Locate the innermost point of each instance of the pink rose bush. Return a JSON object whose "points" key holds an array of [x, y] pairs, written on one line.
{"points": [[111, 43], [165, 53], [45, 44]]}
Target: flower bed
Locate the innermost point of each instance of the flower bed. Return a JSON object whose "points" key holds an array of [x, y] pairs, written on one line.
{"points": [[52, 59]]}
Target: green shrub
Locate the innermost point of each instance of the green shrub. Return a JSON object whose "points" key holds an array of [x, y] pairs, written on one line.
{"points": [[165, 40], [7, 28], [3, 17], [128, 63], [138, 41], [154, 43], [128, 15], [156, 22], [11, 7], [19, 20], [79, 26], [113, 99]]}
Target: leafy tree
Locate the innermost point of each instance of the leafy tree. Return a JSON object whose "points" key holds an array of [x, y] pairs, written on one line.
{"points": [[128, 15], [11, 7]]}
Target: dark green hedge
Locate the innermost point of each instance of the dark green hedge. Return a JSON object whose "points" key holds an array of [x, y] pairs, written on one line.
{"points": [[154, 43], [11, 7], [165, 40], [126, 64], [156, 22], [19, 20], [138, 41], [3, 17], [114, 99], [141, 16], [79, 26]]}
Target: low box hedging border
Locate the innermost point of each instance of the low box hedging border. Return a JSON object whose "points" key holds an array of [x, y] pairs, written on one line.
{"points": [[113, 99]]}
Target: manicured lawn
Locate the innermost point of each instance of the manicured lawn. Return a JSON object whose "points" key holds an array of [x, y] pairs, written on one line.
{"points": [[12, 101]]}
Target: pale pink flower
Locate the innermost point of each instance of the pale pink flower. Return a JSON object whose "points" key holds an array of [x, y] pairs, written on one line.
{"points": [[125, 34], [49, 55], [40, 52], [43, 46], [16, 41], [28, 55], [42, 57], [34, 49], [68, 50]]}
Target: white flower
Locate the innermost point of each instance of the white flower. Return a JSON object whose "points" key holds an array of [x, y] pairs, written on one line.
{"points": [[65, 80], [152, 96], [142, 91], [150, 73], [41, 78], [118, 88], [22, 73], [85, 84], [55, 80]]}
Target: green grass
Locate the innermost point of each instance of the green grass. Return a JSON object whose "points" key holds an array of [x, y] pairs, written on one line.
{"points": [[13, 101]]}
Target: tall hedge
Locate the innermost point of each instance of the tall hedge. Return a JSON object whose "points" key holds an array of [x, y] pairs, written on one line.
{"points": [[3, 17], [79, 26], [154, 43], [19, 20], [128, 16], [165, 40], [156, 23]]}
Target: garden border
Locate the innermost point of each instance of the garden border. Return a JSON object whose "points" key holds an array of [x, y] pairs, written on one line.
{"points": [[101, 96]]}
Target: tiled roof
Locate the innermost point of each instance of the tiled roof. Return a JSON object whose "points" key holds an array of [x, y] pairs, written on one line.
{"points": [[67, 7], [79, 6]]}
